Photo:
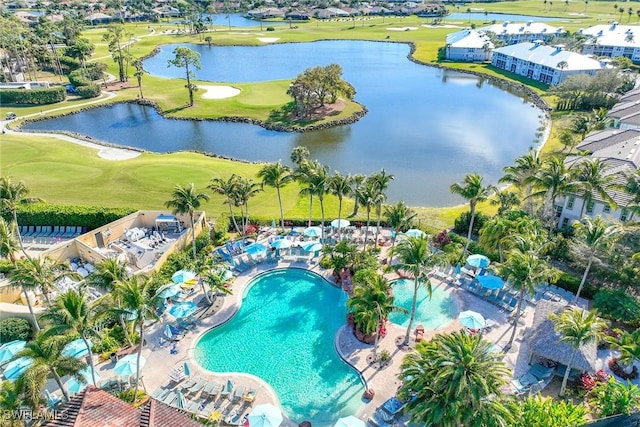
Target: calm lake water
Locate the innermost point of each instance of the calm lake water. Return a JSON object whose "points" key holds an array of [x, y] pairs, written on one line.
{"points": [[427, 126], [498, 17]]}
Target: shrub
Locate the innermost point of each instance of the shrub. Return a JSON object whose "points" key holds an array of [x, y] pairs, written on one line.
{"points": [[15, 328], [90, 90], [5, 266], [618, 305], [33, 96], [613, 398], [461, 224], [106, 345], [442, 239], [51, 214], [69, 62], [95, 71], [270, 29], [326, 263]]}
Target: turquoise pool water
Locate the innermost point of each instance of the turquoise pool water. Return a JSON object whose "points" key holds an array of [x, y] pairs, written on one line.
{"points": [[433, 313], [284, 333]]}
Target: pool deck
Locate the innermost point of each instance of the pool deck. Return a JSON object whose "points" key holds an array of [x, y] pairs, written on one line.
{"points": [[384, 381]]}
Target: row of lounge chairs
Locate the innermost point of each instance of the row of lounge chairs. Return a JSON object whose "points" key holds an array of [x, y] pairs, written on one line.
{"points": [[50, 231], [534, 380], [504, 298], [385, 415]]}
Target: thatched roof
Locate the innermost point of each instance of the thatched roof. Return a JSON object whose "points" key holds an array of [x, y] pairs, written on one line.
{"points": [[545, 342]]}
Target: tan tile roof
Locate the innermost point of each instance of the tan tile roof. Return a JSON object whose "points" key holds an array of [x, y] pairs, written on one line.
{"points": [[96, 408]]}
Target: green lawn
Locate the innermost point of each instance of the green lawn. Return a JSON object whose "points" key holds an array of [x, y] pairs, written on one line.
{"points": [[66, 173]]}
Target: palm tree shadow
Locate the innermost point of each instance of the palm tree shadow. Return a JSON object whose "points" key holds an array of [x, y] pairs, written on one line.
{"points": [[176, 109]]}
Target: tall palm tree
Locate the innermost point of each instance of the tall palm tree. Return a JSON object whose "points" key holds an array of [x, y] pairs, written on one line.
{"points": [[524, 270], [41, 274], [577, 327], [370, 197], [632, 187], [13, 194], [494, 233], [72, 312], [356, 182], [590, 180], [245, 190], [456, 381], [299, 155], [107, 274], [371, 304], [276, 175], [472, 189], [414, 257], [505, 200], [339, 187], [313, 176], [400, 218], [186, 200], [521, 174], [227, 188], [48, 360], [137, 298], [381, 180], [591, 237], [9, 241], [554, 179]]}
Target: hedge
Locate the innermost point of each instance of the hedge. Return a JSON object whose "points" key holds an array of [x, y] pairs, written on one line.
{"points": [[50, 214], [33, 96], [90, 90], [69, 62]]}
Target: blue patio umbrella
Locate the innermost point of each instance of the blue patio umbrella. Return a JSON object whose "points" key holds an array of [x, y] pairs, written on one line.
{"points": [[15, 368], [180, 400], [186, 369], [182, 276], [128, 365], [76, 348], [10, 349], [472, 319], [313, 232], [281, 244], [490, 282], [255, 249], [415, 233], [182, 309], [76, 386], [311, 246], [458, 269], [169, 290], [478, 261], [340, 223], [349, 421]]}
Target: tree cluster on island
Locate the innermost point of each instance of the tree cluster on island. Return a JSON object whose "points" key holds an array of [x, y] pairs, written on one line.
{"points": [[316, 87]]}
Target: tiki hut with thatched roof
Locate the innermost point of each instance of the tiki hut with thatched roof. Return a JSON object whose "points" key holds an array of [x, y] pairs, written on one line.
{"points": [[544, 341]]}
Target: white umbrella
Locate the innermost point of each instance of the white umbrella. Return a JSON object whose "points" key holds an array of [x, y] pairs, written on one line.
{"points": [[340, 223], [472, 319], [349, 421], [265, 415]]}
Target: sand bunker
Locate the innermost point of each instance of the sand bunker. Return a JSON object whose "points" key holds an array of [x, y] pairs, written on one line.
{"points": [[268, 39], [219, 92], [402, 28], [441, 26]]}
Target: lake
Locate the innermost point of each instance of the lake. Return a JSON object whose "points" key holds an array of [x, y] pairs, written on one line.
{"points": [[427, 126], [498, 17]]}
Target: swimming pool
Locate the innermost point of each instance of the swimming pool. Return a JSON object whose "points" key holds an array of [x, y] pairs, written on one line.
{"points": [[432, 313], [284, 333]]}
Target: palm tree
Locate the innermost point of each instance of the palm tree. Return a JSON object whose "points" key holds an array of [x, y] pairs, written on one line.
{"points": [[472, 189], [186, 200], [553, 180], [48, 360], [14, 194], [9, 241], [371, 304], [11, 402], [72, 312], [227, 189], [107, 274], [313, 176], [581, 125], [577, 327], [456, 381], [505, 200], [245, 190], [135, 293], [276, 175], [522, 173], [494, 233], [415, 258], [299, 155], [356, 183], [381, 181], [593, 236], [562, 65], [632, 187], [628, 344], [591, 180], [370, 196], [400, 218], [339, 187], [41, 274], [524, 271]]}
